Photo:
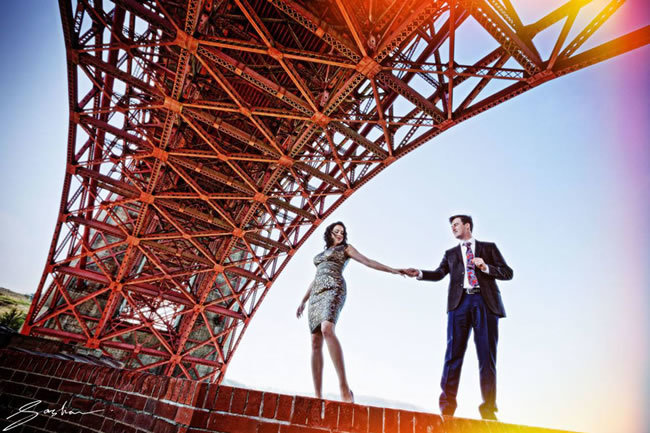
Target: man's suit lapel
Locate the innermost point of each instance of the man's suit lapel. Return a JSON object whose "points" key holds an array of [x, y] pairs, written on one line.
{"points": [[459, 254], [479, 249]]}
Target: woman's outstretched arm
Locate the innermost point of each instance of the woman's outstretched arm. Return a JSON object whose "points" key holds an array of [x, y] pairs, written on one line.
{"points": [[356, 255]]}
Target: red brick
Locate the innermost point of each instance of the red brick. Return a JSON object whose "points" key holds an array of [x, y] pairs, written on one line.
{"points": [[163, 386], [269, 404], [172, 386], [267, 427], [82, 404], [144, 421], [6, 372], [102, 393], [93, 421], [200, 394], [64, 397], [117, 413], [214, 420], [55, 424], [285, 406], [184, 415], [97, 405], [52, 367], [129, 417], [428, 423], [211, 397], [253, 403], [70, 370], [100, 376], [37, 380], [139, 381], [345, 416], [463, 425], [135, 401], [231, 424], [301, 408], [188, 392], [108, 425], [148, 386], [164, 389], [315, 412], [166, 410], [108, 379], [200, 418], [46, 395], [83, 372], [79, 372], [29, 391], [12, 388], [238, 400], [162, 426], [224, 396], [150, 406], [124, 428], [54, 383], [375, 420], [87, 389], [61, 369], [130, 382], [69, 386], [299, 429], [34, 364], [26, 363], [179, 392], [18, 376], [390, 420], [360, 419], [119, 397], [406, 421]]}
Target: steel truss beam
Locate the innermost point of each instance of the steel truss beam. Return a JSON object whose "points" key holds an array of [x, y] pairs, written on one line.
{"points": [[208, 140]]}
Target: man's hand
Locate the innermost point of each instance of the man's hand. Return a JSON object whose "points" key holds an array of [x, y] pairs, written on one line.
{"points": [[480, 263], [411, 272]]}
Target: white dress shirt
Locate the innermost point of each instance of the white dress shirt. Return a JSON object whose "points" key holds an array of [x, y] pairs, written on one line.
{"points": [[463, 251]]}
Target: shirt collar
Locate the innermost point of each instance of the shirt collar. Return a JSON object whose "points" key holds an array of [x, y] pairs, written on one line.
{"points": [[471, 240]]}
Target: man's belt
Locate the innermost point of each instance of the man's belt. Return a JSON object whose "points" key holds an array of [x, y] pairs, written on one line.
{"points": [[473, 290]]}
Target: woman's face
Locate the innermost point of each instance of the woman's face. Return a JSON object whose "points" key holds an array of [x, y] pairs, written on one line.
{"points": [[338, 233]]}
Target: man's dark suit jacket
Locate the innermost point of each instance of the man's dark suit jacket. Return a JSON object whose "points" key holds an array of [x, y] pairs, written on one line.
{"points": [[453, 263]]}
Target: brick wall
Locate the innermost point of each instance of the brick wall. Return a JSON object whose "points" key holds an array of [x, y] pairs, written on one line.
{"points": [[133, 402]]}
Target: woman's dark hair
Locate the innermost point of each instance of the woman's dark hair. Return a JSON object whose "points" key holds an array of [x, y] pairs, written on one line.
{"points": [[328, 234]]}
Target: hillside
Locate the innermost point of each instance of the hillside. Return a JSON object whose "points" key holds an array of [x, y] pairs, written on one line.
{"points": [[10, 299]]}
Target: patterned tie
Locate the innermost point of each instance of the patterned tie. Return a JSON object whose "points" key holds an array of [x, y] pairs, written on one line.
{"points": [[471, 275]]}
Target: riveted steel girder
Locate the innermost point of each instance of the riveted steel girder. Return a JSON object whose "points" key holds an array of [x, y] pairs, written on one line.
{"points": [[209, 139]]}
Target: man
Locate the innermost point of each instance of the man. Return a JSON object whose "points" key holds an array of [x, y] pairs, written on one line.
{"points": [[473, 302]]}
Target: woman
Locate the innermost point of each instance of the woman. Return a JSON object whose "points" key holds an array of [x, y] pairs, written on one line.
{"points": [[326, 296]]}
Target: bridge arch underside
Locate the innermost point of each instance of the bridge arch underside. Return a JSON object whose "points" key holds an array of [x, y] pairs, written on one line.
{"points": [[208, 140]]}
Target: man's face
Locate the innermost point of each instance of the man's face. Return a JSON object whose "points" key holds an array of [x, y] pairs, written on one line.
{"points": [[461, 231]]}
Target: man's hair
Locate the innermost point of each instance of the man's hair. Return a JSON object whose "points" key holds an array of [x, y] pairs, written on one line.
{"points": [[464, 219]]}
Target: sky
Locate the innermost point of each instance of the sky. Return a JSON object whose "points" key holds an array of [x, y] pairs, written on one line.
{"points": [[558, 177]]}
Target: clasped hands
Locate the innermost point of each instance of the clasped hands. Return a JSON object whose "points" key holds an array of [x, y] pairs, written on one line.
{"points": [[412, 272]]}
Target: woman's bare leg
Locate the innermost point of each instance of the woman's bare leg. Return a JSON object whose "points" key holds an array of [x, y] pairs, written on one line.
{"points": [[336, 352], [317, 362]]}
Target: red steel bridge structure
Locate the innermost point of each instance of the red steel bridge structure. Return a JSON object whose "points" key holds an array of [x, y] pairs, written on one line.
{"points": [[208, 139]]}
